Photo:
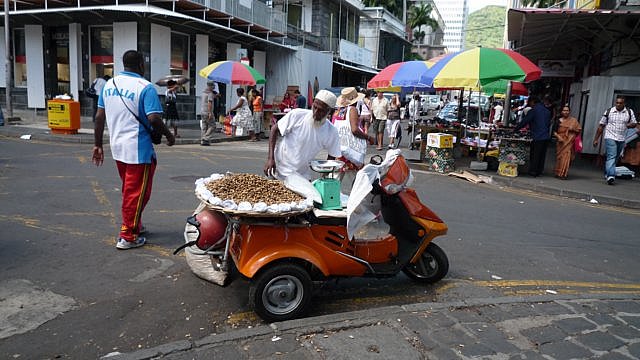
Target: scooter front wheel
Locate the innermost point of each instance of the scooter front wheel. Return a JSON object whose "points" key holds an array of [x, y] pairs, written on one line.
{"points": [[281, 292], [432, 265]]}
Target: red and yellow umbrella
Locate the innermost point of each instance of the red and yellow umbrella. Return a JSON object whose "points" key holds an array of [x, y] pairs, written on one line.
{"points": [[474, 68], [232, 72]]}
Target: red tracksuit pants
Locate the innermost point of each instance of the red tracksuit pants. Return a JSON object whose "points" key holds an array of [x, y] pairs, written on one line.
{"points": [[137, 180]]}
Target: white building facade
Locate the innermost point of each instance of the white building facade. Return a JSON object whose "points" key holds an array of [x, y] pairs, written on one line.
{"points": [[455, 14]]}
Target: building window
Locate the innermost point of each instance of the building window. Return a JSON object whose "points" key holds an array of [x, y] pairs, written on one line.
{"points": [[180, 57], [101, 46], [19, 58]]}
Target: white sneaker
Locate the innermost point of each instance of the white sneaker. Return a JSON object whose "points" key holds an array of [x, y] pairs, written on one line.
{"points": [[126, 245]]}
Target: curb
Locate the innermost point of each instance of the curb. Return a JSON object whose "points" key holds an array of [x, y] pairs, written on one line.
{"points": [[87, 137], [521, 185], [343, 321], [602, 199]]}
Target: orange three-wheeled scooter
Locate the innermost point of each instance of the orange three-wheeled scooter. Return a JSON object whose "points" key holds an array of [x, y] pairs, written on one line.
{"points": [[283, 256]]}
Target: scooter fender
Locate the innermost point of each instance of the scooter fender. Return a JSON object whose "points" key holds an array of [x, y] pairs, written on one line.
{"points": [[251, 265], [432, 229]]}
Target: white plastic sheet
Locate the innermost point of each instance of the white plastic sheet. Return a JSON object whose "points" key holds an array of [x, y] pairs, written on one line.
{"points": [[358, 212]]}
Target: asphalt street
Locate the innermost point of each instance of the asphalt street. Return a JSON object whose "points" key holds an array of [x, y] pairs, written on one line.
{"points": [[68, 293]]}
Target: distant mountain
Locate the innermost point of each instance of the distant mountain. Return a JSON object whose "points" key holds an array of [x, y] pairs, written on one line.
{"points": [[485, 27]]}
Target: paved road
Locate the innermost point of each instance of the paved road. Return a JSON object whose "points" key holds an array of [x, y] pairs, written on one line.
{"points": [[60, 216]]}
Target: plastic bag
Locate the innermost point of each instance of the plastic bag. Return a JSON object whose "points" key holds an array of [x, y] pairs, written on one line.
{"points": [[300, 185], [577, 144]]}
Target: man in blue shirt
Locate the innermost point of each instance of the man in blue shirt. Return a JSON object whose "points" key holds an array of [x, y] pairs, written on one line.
{"points": [[301, 101], [539, 121]]}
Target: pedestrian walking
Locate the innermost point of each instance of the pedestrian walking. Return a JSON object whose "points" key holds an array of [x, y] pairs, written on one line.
{"points": [[127, 102], [614, 123], [568, 130], [171, 113], [243, 119], [95, 90], [393, 121], [379, 110], [257, 107], [207, 122]]}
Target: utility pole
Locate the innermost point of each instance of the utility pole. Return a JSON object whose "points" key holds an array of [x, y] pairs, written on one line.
{"points": [[7, 50]]}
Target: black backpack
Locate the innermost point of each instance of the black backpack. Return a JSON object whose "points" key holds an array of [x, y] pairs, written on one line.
{"points": [[91, 91]]}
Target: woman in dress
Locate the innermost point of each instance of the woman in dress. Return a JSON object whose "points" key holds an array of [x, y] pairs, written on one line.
{"points": [[364, 106], [243, 117], [393, 121], [353, 140], [568, 129]]}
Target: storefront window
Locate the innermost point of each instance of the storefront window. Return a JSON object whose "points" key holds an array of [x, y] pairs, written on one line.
{"points": [[180, 57], [60, 38], [101, 38], [20, 58]]}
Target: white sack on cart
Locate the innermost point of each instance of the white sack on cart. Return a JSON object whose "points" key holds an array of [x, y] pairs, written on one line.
{"points": [[203, 265], [358, 213]]}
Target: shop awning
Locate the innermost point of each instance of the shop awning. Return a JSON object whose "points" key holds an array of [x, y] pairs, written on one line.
{"points": [[566, 33], [360, 68]]}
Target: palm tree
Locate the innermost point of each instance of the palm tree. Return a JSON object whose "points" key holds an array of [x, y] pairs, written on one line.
{"points": [[420, 16], [539, 3]]}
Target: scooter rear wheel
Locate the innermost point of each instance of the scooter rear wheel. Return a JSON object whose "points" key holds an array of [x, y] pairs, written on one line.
{"points": [[281, 292], [432, 266]]}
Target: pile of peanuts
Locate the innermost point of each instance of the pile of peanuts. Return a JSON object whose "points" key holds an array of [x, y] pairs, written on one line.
{"points": [[252, 188]]}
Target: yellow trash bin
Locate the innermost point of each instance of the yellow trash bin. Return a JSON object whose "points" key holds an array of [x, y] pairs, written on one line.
{"points": [[64, 116]]}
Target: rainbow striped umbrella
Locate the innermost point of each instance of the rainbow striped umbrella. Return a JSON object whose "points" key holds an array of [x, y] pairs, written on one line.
{"points": [[475, 68], [403, 74], [232, 72]]}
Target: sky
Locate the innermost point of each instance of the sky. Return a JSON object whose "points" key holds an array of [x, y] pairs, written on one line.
{"points": [[475, 5]]}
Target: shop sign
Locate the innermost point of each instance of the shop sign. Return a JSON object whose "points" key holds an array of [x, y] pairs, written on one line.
{"points": [[557, 68]]}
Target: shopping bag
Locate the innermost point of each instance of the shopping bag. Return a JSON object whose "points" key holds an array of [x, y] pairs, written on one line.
{"points": [[577, 144], [239, 131]]}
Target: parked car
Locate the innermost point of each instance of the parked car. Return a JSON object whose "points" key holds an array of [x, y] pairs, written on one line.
{"points": [[430, 102], [448, 115]]}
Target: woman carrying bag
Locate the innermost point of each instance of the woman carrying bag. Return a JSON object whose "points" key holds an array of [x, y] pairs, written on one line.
{"points": [[567, 135]]}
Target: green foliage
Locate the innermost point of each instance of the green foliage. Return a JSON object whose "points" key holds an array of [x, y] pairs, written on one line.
{"points": [[393, 6], [485, 27], [539, 3]]}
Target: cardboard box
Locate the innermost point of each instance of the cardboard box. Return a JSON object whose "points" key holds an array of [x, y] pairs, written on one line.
{"points": [[440, 140], [507, 169], [441, 166]]}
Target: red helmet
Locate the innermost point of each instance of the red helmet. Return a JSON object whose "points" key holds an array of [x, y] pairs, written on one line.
{"points": [[211, 227]]}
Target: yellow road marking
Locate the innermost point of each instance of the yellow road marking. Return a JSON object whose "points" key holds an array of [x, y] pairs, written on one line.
{"points": [[103, 200], [548, 283], [36, 224]]}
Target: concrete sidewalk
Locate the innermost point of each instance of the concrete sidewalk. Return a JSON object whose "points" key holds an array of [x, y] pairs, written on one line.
{"points": [[495, 328]]}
